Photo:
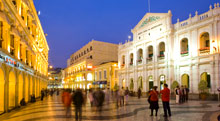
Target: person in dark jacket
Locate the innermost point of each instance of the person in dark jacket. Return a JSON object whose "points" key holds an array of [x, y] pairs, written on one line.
{"points": [[154, 100], [42, 94], [139, 93], [166, 100], [78, 101], [99, 96]]}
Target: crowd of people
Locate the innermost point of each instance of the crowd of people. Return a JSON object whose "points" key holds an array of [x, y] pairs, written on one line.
{"points": [[181, 94]]}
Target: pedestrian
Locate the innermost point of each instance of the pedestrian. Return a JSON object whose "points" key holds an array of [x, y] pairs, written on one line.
{"points": [[153, 97], [66, 99], [187, 92], [121, 96], [180, 95], [166, 100], [42, 94], [78, 101], [139, 93], [126, 95], [107, 95], [177, 93], [183, 93], [91, 99], [100, 97]]}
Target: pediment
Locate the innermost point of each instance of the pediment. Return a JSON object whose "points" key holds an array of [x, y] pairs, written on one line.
{"points": [[149, 18]]}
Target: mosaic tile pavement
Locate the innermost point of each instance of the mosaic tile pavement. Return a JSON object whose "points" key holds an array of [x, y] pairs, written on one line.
{"points": [[51, 109]]}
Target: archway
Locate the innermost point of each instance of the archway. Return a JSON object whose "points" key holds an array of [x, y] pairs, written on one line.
{"points": [[161, 49], [131, 84], [31, 86], [184, 47], [150, 53], [20, 88], [204, 42], [185, 80], [2, 91], [162, 81], [206, 77], [26, 89], [12, 84], [140, 82], [123, 83], [140, 55], [151, 82]]}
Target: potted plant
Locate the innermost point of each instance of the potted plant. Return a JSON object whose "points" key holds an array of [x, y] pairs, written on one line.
{"points": [[203, 89]]}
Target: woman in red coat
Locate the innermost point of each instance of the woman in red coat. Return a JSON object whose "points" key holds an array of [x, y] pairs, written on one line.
{"points": [[154, 100]]}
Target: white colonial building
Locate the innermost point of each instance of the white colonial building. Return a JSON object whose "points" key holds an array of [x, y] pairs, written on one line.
{"points": [[162, 52]]}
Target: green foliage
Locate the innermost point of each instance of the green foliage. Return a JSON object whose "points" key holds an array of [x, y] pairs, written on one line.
{"points": [[174, 85], [203, 86]]}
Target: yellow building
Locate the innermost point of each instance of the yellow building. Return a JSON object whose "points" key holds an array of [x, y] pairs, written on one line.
{"points": [[106, 75], [79, 72], [23, 53]]}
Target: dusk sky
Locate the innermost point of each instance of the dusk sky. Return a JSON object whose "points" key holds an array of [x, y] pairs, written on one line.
{"points": [[71, 24]]}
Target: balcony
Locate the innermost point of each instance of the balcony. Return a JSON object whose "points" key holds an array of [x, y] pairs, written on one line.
{"points": [[184, 53], [204, 50], [131, 63], [149, 59], [161, 56], [139, 61]]}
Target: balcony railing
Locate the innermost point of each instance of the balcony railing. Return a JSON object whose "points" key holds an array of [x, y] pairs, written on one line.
{"points": [[204, 50], [184, 53], [149, 59], [161, 56], [139, 61]]}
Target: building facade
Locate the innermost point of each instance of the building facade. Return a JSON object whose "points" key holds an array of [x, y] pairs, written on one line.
{"points": [[55, 78], [106, 75], [80, 67], [162, 52], [23, 53]]}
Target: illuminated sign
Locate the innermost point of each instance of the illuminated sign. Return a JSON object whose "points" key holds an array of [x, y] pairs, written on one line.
{"points": [[11, 62]]}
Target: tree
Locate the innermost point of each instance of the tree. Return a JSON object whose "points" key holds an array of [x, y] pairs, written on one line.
{"points": [[203, 86]]}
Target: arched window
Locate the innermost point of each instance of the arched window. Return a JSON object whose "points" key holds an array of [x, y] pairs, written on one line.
{"points": [[131, 58], [123, 60], [204, 43], [161, 50], [206, 77], [140, 55], [150, 53], [184, 47]]}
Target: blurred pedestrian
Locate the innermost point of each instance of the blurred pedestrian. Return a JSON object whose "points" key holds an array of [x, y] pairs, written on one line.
{"points": [[99, 96], [42, 94], [177, 93], [187, 92], [78, 101], [121, 96], [91, 97], [166, 100], [139, 93], [154, 100], [126, 95], [107, 95], [66, 99]]}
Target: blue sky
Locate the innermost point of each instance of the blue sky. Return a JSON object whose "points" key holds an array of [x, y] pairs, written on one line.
{"points": [[71, 24]]}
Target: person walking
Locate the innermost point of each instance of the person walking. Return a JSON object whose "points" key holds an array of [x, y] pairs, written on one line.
{"points": [[153, 95], [126, 95], [177, 93], [42, 95], [187, 92], [166, 100], [78, 101], [121, 96], [66, 99], [139, 93]]}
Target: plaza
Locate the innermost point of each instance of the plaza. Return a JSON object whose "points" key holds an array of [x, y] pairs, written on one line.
{"points": [[51, 109]]}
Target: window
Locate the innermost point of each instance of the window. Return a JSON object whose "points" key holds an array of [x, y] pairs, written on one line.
{"points": [[95, 75], [12, 45], [100, 75], [105, 76], [90, 48], [90, 57], [20, 51], [1, 34], [27, 57], [84, 52]]}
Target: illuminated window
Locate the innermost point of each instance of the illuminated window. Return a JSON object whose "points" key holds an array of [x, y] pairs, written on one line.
{"points": [[89, 77], [116, 73], [90, 48], [95, 75], [1, 33], [100, 75], [105, 76], [12, 44]]}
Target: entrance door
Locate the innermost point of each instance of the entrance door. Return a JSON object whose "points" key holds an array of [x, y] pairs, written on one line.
{"points": [[185, 80], [11, 90]]}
